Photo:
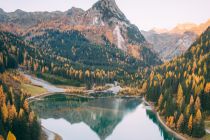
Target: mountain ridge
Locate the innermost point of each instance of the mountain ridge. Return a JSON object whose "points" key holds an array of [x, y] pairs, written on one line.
{"points": [[172, 43]]}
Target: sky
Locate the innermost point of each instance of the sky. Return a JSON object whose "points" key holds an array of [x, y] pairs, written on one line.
{"points": [[146, 14]]}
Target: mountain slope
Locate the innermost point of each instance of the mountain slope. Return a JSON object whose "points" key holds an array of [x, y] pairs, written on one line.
{"points": [[172, 43], [13, 51], [180, 88]]}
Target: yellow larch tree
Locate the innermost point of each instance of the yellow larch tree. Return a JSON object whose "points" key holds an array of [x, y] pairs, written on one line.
{"points": [[11, 136], [190, 123], [4, 112], [180, 122], [197, 103]]}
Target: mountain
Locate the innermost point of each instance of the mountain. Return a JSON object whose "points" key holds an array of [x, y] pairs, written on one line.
{"points": [[169, 45], [103, 22], [180, 88], [198, 29], [172, 43], [68, 44]]}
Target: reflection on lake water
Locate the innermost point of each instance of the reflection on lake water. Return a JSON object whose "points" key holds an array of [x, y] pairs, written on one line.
{"points": [[79, 118]]}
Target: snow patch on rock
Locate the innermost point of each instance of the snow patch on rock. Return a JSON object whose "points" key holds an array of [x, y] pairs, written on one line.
{"points": [[120, 39], [95, 21]]}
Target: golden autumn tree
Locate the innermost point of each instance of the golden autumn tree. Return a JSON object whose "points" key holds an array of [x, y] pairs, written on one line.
{"points": [[21, 113], [144, 86], [170, 122], [197, 103], [179, 95], [12, 113], [2, 96], [207, 88], [31, 117], [87, 73], [4, 112], [198, 116], [191, 100], [180, 122], [190, 123], [160, 100], [1, 137], [11, 136], [25, 106]]}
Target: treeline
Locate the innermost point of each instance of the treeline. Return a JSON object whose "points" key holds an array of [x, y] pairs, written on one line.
{"points": [[17, 120], [180, 89]]}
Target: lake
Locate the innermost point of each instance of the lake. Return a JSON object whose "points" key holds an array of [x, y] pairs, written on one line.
{"points": [[81, 118]]}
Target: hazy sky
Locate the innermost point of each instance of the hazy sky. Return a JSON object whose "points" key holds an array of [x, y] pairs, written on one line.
{"points": [[146, 14]]}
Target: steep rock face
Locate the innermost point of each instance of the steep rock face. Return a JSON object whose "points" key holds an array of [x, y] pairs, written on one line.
{"points": [[169, 45], [172, 43]]}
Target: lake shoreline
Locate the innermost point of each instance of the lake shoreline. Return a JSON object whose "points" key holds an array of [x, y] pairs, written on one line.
{"points": [[176, 134], [49, 93]]}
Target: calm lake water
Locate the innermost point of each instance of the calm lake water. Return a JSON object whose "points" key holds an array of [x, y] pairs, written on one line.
{"points": [[78, 118]]}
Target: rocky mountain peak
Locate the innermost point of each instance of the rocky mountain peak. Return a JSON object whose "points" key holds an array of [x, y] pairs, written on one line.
{"points": [[18, 11], [1, 10], [74, 11], [109, 9]]}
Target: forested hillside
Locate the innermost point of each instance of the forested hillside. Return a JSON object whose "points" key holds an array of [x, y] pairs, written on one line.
{"points": [[70, 54], [17, 120], [180, 88], [13, 51]]}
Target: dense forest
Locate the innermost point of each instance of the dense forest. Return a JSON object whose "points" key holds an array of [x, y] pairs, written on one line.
{"points": [[17, 120], [180, 88]]}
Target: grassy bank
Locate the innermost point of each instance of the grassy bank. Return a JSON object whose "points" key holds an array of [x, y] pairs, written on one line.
{"points": [[33, 89]]}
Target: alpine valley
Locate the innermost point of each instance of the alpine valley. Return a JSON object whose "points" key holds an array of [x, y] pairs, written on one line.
{"points": [[94, 71]]}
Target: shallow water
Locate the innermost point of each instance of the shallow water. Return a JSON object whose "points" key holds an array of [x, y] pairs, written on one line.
{"points": [[77, 118]]}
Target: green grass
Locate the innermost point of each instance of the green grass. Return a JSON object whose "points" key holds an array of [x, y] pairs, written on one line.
{"points": [[33, 90], [206, 137], [207, 124]]}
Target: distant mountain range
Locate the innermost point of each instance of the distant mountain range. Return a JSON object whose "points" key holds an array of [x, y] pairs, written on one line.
{"points": [[171, 43]]}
